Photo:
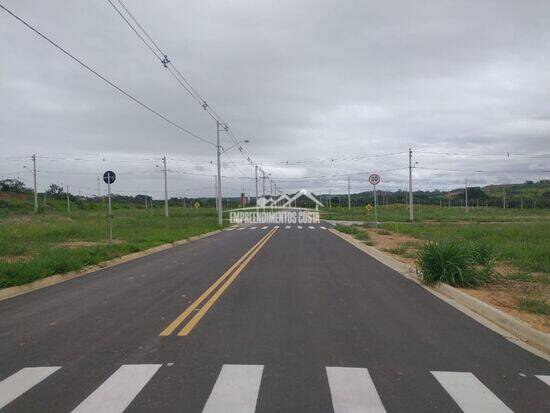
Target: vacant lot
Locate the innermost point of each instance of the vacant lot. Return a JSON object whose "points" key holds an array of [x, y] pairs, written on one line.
{"points": [[35, 246], [433, 213]]}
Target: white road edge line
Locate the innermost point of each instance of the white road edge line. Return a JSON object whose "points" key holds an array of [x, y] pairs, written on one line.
{"points": [[25, 379], [236, 389], [352, 390], [469, 392], [117, 392]]}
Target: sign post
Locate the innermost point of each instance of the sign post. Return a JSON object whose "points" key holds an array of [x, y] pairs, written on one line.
{"points": [[374, 180], [109, 177]]}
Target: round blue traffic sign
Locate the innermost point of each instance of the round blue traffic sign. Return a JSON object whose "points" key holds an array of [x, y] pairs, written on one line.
{"points": [[109, 177]]}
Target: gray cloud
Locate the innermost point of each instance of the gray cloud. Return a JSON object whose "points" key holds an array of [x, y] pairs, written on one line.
{"points": [[309, 80]]}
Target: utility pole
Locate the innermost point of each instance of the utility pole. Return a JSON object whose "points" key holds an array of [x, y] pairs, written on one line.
{"points": [[263, 183], [34, 176], [466, 193], [219, 185], [110, 212], [256, 181], [411, 213], [165, 188], [216, 191], [146, 201], [68, 200], [349, 193], [98, 194], [329, 199], [271, 184]]}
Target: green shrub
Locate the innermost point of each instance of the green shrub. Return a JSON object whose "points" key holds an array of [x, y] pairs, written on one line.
{"points": [[399, 250], [483, 253], [347, 229], [451, 262], [521, 277], [534, 306]]}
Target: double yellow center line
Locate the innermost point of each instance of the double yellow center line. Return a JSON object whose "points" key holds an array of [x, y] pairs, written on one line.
{"points": [[203, 303]]}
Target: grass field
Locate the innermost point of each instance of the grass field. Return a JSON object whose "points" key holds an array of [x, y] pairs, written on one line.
{"points": [[526, 245], [35, 246], [400, 213]]}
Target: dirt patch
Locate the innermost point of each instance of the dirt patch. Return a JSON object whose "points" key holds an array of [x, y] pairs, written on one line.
{"points": [[503, 294], [82, 244], [401, 247]]}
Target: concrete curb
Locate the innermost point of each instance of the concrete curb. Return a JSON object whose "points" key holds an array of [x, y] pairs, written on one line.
{"points": [[503, 320], [57, 278]]}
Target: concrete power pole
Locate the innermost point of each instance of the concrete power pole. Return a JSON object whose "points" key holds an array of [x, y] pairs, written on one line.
{"points": [[263, 183], [35, 189], [219, 181], [411, 213], [68, 200], [466, 193], [256, 181], [216, 191], [349, 193], [165, 188]]}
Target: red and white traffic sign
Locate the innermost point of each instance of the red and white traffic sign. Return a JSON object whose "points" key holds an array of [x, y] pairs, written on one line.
{"points": [[374, 179]]}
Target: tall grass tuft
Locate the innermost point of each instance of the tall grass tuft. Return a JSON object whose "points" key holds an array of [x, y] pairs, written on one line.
{"points": [[456, 263]]}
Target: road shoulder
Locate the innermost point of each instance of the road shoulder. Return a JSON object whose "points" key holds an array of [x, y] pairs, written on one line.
{"points": [[509, 327], [14, 291]]}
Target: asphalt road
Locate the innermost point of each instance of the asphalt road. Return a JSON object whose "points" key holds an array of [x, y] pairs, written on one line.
{"points": [[262, 319]]}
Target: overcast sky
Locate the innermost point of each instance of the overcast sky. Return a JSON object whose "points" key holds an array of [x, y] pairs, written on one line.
{"points": [[320, 85]]}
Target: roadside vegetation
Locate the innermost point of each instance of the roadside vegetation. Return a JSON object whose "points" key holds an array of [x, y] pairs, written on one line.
{"points": [[434, 213], [460, 264], [33, 246], [506, 264]]}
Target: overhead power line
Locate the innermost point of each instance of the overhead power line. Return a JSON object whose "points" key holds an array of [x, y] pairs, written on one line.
{"points": [[163, 58], [102, 77]]}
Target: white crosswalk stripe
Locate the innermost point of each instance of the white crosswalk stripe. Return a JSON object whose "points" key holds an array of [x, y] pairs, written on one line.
{"points": [[545, 379], [288, 227], [241, 228], [276, 226], [25, 379], [469, 393], [352, 390], [118, 391], [299, 227], [264, 227], [311, 227], [236, 389], [323, 227], [253, 227], [230, 229]]}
